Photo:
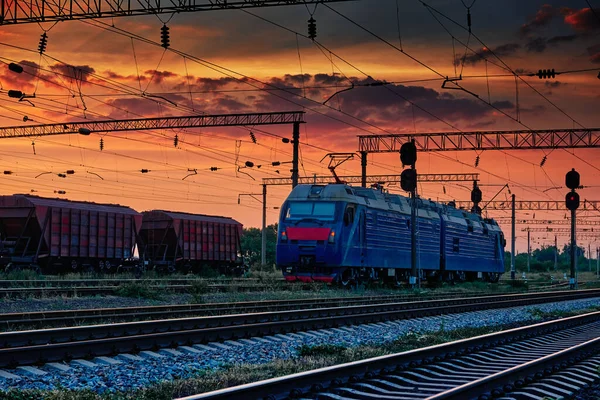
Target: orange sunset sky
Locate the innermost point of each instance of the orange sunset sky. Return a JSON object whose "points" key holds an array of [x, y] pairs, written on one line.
{"points": [[235, 61]]}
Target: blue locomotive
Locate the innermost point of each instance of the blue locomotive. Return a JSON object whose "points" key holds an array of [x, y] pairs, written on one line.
{"points": [[343, 234]]}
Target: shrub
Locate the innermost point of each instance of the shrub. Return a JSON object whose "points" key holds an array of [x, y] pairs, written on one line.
{"points": [[140, 290]]}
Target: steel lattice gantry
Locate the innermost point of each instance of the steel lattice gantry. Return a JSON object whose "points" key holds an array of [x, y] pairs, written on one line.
{"points": [[29, 11], [484, 140], [547, 221], [533, 205], [316, 180], [560, 230], [140, 124]]}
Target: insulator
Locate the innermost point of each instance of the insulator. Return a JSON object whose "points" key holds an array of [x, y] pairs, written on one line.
{"points": [[43, 43], [285, 140], [144, 171], [543, 161], [276, 163], [15, 94], [213, 168], [469, 19], [176, 140], [546, 73], [15, 68], [101, 144], [477, 161], [60, 192], [253, 137], [164, 36], [62, 175], [312, 28], [7, 172]]}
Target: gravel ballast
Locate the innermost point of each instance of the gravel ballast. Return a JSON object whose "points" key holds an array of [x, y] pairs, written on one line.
{"points": [[131, 374]]}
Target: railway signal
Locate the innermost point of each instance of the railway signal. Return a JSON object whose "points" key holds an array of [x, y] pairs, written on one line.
{"points": [[408, 180], [572, 181]]}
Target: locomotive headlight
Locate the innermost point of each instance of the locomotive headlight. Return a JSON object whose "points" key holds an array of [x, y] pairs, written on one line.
{"points": [[331, 236], [283, 236]]}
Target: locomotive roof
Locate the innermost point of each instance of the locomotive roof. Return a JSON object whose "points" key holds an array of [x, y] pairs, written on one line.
{"points": [[377, 199], [26, 200], [192, 217]]}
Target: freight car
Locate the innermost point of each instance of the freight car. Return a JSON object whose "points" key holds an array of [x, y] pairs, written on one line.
{"points": [[179, 241], [343, 234], [54, 235]]}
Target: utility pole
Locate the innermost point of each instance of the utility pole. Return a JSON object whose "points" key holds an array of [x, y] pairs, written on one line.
{"points": [[263, 244], [363, 166], [512, 241], [528, 248], [296, 146], [597, 262], [590, 256], [555, 252]]}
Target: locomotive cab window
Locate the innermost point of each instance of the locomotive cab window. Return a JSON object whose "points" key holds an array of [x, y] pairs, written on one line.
{"points": [[307, 210], [349, 215]]}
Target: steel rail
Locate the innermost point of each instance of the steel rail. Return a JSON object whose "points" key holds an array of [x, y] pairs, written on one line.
{"points": [[311, 383], [47, 319], [17, 283], [30, 347]]}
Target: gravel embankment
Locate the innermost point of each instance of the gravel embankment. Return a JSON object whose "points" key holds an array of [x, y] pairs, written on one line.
{"points": [[136, 374]]}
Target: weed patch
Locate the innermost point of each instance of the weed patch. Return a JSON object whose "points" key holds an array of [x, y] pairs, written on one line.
{"points": [[139, 290]]}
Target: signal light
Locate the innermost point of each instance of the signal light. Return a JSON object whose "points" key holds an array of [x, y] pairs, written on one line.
{"points": [[408, 153], [408, 180], [164, 36], [546, 73], [572, 200], [476, 194], [572, 179], [312, 28], [43, 43]]}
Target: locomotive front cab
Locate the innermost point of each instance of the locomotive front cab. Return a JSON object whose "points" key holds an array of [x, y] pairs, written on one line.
{"points": [[311, 234]]}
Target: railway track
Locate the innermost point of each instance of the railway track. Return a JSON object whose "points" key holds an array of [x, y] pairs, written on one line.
{"points": [[47, 345], [62, 318], [19, 283], [21, 292], [548, 360]]}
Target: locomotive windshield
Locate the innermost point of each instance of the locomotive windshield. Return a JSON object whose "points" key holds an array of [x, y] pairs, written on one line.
{"points": [[308, 209]]}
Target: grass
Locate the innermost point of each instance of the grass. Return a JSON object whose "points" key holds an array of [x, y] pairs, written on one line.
{"points": [[139, 290], [557, 314]]}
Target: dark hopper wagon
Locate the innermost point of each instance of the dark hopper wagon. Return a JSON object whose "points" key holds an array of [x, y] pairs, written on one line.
{"points": [[57, 235], [180, 241]]}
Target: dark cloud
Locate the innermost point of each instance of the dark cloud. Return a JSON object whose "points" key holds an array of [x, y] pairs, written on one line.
{"points": [[214, 84], [541, 18], [78, 72], [159, 76], [554, 84], [582, 20], [536, 45], [562, 39], [501, 51], [594, 52]]}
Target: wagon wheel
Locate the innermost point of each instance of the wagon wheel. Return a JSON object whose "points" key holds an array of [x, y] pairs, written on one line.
{"points": [[347, 279], [492, 277], [460, 276]]}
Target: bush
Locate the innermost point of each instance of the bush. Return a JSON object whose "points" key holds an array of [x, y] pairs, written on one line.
{"points": [[198, 289], [139, 290]]}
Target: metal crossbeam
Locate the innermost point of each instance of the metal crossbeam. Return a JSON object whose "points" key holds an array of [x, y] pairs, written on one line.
{"points": [[581, 236], [560, 230], [318, 180], [533, 205], [29, 11], [547, 221], [140, 124], [486, 140]]}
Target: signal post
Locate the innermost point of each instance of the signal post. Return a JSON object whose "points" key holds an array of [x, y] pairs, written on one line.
{"points": [[572, 181], [408, 182]]}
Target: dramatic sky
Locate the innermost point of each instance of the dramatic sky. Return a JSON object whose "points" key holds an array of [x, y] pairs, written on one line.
{"points": [[260, 60]]}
